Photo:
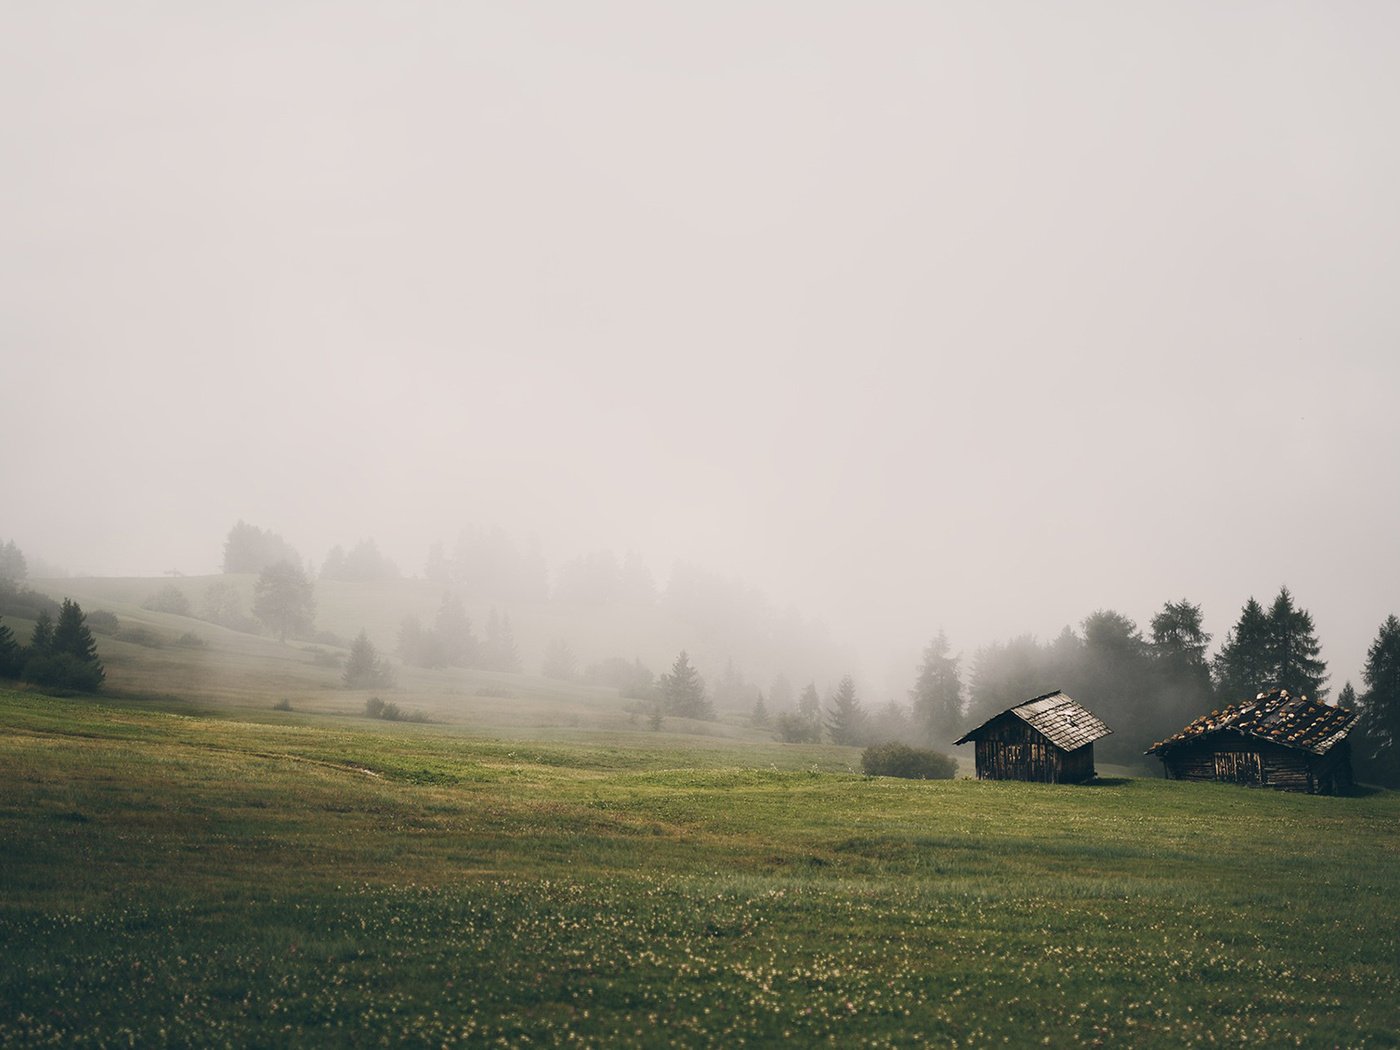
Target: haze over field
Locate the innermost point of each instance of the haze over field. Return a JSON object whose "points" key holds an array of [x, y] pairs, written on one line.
{"points": [[974, 316]]}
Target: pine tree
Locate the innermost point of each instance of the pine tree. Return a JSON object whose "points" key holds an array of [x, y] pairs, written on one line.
{"points": [[41, 638], [937, 695], [11, 655], [1293, 650], [809, 704], [559, 661], [846, 718], [1243, 667], [366, 669], [1346, 699], [1378, 746], [13, 566], [456, 644], [683, 691], [760, 712], [1181, 674], [64, 655]]}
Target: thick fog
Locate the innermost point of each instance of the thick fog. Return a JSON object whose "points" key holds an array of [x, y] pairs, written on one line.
{"points": [[975, 316]]}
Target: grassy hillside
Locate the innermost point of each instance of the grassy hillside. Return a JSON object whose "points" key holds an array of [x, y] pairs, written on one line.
{"points": [[183, 878]]}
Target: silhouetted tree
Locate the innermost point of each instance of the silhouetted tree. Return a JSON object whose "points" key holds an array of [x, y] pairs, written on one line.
{"points": [[284, 600], [499, 652], [1293, 650], [13, 566], [846, 719], [937, 695], [892, 721], [1181, 675], [809, 704], [559, 661], [759, 717], [11, 655], [365, 668], [1378, 744], [1243, 667], [64, 654], [250, 549], [683, 691], [453, 628]]}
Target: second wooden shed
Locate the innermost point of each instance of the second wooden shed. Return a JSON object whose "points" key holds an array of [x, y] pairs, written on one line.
{"points": [[1048, 738]]}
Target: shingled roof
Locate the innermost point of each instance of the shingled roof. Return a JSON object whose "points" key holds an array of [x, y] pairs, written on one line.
{"points": [[1293, 721], [1058, 717]]}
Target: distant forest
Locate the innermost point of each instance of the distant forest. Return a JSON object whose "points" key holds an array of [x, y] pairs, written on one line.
{"points": [[1146, 686]]}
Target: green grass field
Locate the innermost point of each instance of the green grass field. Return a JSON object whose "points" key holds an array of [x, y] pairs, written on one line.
{"points": [[224, 875]]}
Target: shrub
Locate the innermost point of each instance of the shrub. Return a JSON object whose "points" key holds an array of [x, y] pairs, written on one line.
{"points": [[140, 636], [169, 599], [102, 621], [374, 707], [793, 728], [190, 640], [282, 705], [898, 760]]}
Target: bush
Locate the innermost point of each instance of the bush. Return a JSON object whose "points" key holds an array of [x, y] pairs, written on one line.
{"points": [[169, 599], [374, 707], [102, 621], [897, 760], [139, 636], [794, 729], [190, 640], [282, 705]]}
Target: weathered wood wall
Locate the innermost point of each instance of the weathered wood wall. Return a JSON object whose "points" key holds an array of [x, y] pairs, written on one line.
{"points": [[1240, 759], [1008, 749]]}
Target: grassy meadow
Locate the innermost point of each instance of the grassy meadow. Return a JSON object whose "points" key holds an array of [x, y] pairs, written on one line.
{"points": [[202, 877], [181, 864]]}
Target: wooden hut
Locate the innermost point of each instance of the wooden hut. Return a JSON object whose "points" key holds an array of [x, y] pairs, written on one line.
{"points": [[1275, 740], [1049, 738]]}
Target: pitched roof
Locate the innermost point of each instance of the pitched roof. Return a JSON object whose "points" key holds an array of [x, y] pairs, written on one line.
{"points": [[1061, 719], [1293, 721]]}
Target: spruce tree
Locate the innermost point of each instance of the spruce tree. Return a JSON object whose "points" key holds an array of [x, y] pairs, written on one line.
{"points": [[11, 655], [1181, 675], [760, 712], [683, 691], [1243, 667], [64, 655], [41, 638], [1378, 746], [1293, 650], [366, 669], [846, 718], [937, 695]]}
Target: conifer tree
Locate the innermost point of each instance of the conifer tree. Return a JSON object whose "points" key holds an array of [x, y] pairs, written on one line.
{"points": [[64, 654], [1180, 672], [846, 719], [456, 644], [41, 638], [683, 691], [366, 669], [1293, 650], [11, 655], [760, 712], [1243, 667], [1378, 746], [937, 695], [809, 703]]}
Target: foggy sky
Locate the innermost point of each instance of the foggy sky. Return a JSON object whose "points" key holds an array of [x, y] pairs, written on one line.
{"points": [[980, 316]]}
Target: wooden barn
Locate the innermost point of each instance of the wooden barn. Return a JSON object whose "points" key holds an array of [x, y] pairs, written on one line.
{"points": [[1275, 740], [1049, 738]]}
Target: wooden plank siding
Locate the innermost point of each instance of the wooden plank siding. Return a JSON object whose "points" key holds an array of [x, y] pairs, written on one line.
{"points": [[1240, 759], [1009, 749]]}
